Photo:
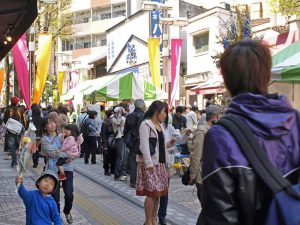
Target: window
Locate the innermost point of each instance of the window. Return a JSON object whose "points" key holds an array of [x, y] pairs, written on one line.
{"points": [[103, 42], [201, 43], [86, 44], [86, 20], [105, 16]]}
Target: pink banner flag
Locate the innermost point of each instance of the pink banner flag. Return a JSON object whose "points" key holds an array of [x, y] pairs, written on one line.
{"points": [[20, 53], [176, 46]]}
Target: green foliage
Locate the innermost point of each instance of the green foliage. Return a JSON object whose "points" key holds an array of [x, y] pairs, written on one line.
{"points": [[51, 84], [54, 18], [286, 7]]}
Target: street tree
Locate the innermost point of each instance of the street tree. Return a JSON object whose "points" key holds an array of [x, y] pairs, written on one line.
{"points": [[286, 7]]}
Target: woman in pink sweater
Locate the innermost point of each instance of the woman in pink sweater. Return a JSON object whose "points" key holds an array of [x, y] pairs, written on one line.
{"points": [[72, 139]]}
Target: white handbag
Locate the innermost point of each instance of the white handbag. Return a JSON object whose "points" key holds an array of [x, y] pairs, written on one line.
{"points": [[14, 126]]}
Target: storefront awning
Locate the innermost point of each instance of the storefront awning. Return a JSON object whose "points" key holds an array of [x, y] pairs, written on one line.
{"points": [[286, 64], [212, 86], [16, 16]]}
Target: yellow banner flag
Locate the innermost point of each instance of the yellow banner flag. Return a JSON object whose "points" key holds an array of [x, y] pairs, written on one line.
{"points": [[44, 47], [60, 81], [2, 76], [154, 60]]}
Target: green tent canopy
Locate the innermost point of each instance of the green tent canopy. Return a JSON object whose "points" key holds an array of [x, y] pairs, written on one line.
{"points": [[117, 87], [126, 86], [286, 64]]}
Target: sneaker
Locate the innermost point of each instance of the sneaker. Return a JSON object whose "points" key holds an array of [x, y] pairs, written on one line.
{"points": [[107, 173], [69, 218], [62, 176], [132, 185], [162, 221], [122, 178], [14, 165], [8, 157]]}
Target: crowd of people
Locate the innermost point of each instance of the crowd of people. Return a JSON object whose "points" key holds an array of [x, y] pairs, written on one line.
{"points": [[142, 143]]}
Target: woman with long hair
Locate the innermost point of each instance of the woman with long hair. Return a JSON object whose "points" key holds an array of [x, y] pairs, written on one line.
{"points": [[50, 146], [152, 176]]}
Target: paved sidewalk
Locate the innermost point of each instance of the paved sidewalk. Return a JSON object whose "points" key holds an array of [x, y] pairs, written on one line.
{"points": [[99, 200], [12, 209], [183, 207]]}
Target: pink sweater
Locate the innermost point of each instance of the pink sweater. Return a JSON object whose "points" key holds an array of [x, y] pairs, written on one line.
{"points": [[72, 146]]}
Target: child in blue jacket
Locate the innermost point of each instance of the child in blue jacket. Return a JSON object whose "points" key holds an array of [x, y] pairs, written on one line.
{"points": [[41, 209]]}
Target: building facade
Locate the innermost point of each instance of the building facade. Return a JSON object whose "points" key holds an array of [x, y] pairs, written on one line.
{"points": [[83, 55], [202, 80]]}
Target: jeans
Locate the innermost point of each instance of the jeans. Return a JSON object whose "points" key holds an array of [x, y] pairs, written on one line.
{"points": [[120, 169], [163, 205], [68, 191], [199, 191], [13, 142], [132, 159], [90, 148]]}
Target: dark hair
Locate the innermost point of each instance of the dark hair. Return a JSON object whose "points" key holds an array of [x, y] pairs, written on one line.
{"points": [[109, 112], [36, 112], [102, 108], [45, 121], [195, 108], [92, 114], [74, 130], [125, 106], [166, 122], [179, 109], [34, 105], [62, 109], [246, 67], [156, 106]]}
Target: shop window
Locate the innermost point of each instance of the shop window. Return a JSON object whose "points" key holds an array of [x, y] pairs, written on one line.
{"points": [[105, 16], [86, 44], [201, 42], [103, 42]]}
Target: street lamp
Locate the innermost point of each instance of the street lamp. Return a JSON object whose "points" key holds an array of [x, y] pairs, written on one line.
{"points": [[166, 22]]}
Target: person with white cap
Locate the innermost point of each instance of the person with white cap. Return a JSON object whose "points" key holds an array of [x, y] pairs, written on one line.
{"points": [[118, 122], [41, 207], [213, 113]]}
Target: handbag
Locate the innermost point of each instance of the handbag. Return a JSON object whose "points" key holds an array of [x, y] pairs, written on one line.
{"points": [[152, 144], [112, 140], [14, 126], [185, 179]]}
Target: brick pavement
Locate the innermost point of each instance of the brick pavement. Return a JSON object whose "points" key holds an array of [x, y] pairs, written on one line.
{"points": [[12, 209], [98, 198], [183, 208]]}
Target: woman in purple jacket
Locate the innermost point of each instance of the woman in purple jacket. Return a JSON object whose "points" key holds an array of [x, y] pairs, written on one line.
{"points": [[232, 192]]}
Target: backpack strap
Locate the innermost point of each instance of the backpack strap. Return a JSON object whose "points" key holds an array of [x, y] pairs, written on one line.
{"points": [[256, 156], [83, 121]]}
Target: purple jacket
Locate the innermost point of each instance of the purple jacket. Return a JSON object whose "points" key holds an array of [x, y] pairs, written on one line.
{"points": [[232, 192]]}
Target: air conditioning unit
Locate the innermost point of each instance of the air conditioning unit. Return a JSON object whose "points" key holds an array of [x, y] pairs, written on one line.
{"points": [[279, 23]]}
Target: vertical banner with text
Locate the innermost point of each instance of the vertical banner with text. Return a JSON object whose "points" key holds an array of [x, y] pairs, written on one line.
{"points": [[44, 48], [20, 53], [176, 47], [153, 50]]}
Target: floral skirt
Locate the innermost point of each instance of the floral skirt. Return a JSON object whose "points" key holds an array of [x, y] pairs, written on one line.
{"points": [[152, 184]]}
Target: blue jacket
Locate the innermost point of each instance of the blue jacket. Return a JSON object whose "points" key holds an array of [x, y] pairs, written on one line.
{"points": [[40, 210], [232, 192]]}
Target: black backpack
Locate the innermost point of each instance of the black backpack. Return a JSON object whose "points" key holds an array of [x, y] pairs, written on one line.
{"points": [[135, 136], [84, 127]]}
